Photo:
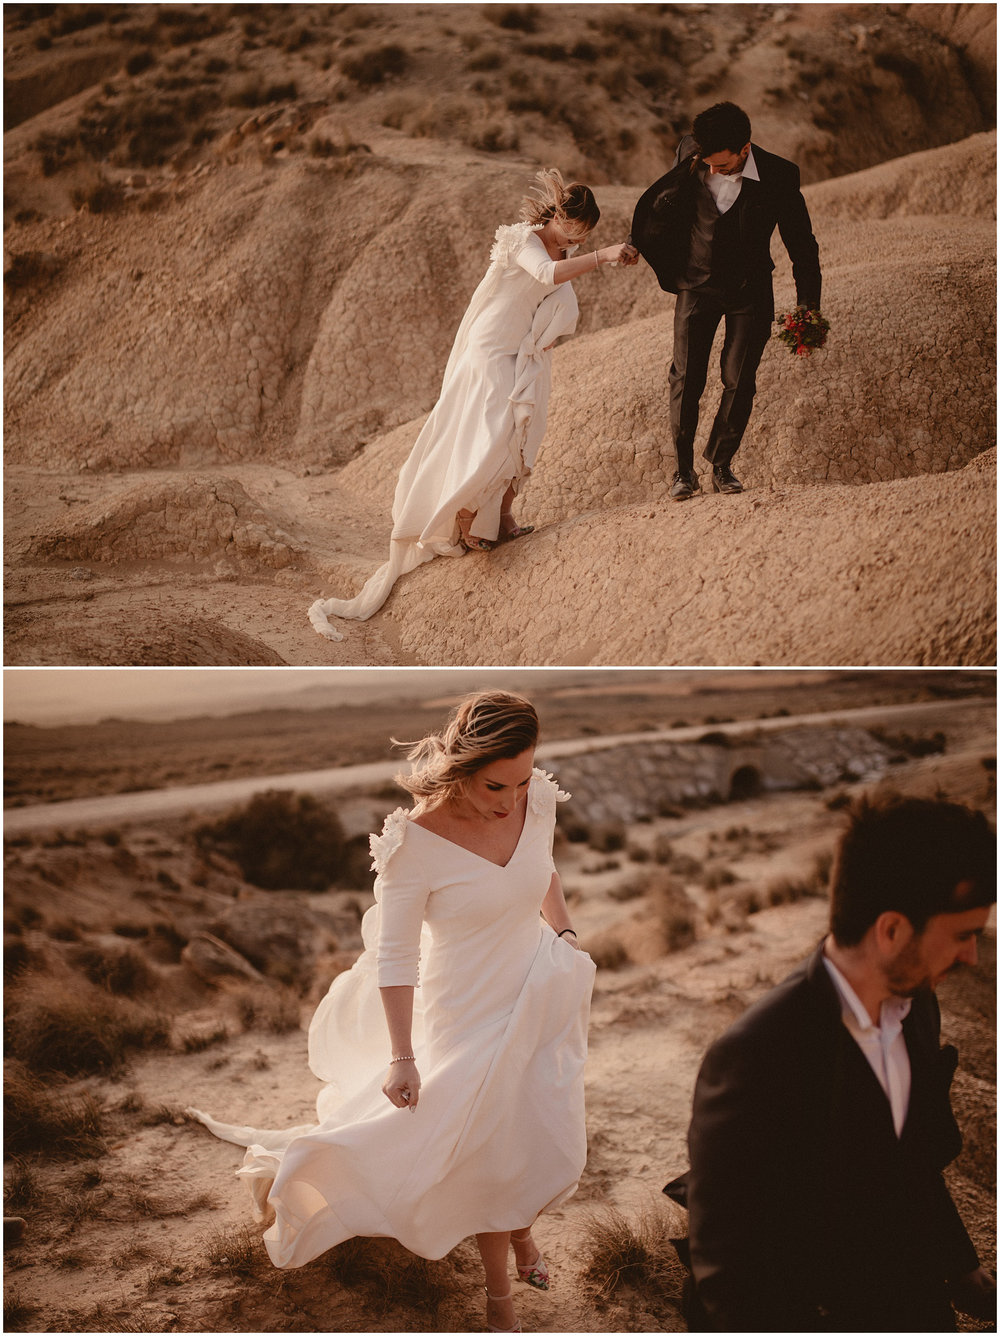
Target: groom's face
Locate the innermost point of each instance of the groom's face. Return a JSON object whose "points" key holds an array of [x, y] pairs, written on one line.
{"points": [[726, 162]]}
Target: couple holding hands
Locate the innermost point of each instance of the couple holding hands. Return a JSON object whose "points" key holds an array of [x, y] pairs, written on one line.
{"points": [[705, 230]]}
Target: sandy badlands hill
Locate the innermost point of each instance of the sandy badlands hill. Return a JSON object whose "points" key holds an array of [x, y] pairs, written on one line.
{"points": [[238, 243]]}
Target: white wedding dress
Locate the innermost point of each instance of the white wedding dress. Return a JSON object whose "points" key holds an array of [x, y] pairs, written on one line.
{"points": [[500, 1039], [485, 429]]}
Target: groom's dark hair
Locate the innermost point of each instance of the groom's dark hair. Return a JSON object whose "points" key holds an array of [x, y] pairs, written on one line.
{"points": [[722, 128], [917, 856]]}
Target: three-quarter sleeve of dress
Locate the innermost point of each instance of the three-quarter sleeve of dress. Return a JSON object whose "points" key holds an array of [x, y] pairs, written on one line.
{"points": [[534, 258], [402, 890]]}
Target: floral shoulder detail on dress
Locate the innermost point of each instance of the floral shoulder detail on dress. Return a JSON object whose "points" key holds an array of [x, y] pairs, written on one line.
{"points": [[544, 793], [385, 845], [510, 237]]}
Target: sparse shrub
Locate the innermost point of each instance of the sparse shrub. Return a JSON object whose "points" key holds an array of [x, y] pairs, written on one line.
{"points": [[17, 1310], [749, 902], [62, 1025], [608, 836], [631, 889], [585, 51], [686, 866], [197, 1043], [237, 1251], [275, 1009], [718, 876], [21, 1187], [125, 972], [39, 1119], [139, 61], [376, 64], [491, 59], [715, 738], [638, 853], [390, 1277], [618, 1251], [56, 150], [674, 911], [606, 951], [908, 745], [281, 841], [663, 850], [281, 92], [576, 830], [545, 50], [514, 18], [492, 137]]}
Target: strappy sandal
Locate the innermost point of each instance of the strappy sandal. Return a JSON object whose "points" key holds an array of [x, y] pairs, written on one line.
{"points": [[518, 531], [536, 1273], [499, 1299], [468, 540]]}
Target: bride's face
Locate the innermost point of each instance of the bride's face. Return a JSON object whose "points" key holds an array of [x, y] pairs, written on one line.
{"points": [[568, 232], [497, 790]]}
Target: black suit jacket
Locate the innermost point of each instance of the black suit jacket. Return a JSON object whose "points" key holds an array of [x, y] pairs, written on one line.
{"points": [[664, 217], [807, 1213]]}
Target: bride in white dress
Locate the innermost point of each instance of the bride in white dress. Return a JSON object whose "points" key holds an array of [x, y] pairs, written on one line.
{"points": [[477, 1124], [480, 442]]}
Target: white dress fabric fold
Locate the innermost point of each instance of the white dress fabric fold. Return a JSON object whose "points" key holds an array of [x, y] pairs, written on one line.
{"points": [[500, 1038], [484, 431]]}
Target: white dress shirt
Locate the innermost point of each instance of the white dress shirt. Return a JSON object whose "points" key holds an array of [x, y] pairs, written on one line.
{"points": [[883, 1044], [726, 189]]}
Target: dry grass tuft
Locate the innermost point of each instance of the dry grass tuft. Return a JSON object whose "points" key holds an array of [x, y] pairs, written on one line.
{"points": [[606, 951], [39, 1119], [674, 910], [63, 1024], [391, 1277], [17, 1311], [125, 972], [618, 1251], [238, 1251], [275, 1009]]}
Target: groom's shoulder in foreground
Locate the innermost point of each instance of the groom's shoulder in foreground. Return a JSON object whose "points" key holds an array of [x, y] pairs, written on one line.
{"points": [[772, 167], [786, 1015]]}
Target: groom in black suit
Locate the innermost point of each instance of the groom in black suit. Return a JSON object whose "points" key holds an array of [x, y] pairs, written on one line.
{"points": [[822, 1118], [705, 229]]}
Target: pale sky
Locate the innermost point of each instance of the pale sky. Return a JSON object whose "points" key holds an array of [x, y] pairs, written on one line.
{"points": [[83, 695]]}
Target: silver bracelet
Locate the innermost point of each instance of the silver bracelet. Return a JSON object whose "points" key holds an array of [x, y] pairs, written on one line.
{"points": [[406, 1057]]}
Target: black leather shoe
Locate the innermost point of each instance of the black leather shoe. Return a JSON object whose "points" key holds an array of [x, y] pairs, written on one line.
{"points": [[685, 486], [724, 480]]}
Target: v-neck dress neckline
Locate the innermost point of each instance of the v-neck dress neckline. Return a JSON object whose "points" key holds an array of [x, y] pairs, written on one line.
{"points": [[482, 857]]}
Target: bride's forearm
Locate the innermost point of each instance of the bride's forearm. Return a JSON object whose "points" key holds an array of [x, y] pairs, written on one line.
{"points": [[397, 1002], [554, 910], [578, 265]]}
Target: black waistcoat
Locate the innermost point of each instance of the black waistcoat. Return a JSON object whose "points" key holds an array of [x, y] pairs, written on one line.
{"points": [[716, 261]]}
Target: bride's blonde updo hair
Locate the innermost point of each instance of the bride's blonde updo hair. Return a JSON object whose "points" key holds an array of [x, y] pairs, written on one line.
{"points": [[551, 197], [487, 726]]}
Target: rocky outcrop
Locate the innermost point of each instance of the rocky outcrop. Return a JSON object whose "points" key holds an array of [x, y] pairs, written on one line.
{"points": [[216, 963], [638, 780], [185, 519]]}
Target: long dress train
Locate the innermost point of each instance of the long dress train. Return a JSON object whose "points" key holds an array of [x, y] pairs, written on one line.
{"points": [[484, 431], [500, 1038]]}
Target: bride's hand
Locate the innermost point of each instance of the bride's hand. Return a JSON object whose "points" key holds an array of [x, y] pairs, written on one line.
{"points": [[619, 254], [401, 1086]]}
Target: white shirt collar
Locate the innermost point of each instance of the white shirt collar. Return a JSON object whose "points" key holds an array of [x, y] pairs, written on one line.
{"points": [[750, 167], [893, 1011]]}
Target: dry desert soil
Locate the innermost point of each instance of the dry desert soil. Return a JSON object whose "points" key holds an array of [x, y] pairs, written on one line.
{"points": [[238, 240]]}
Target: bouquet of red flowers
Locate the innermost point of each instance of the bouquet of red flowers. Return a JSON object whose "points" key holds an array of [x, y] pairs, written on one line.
{"points": [[803, 330]]}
